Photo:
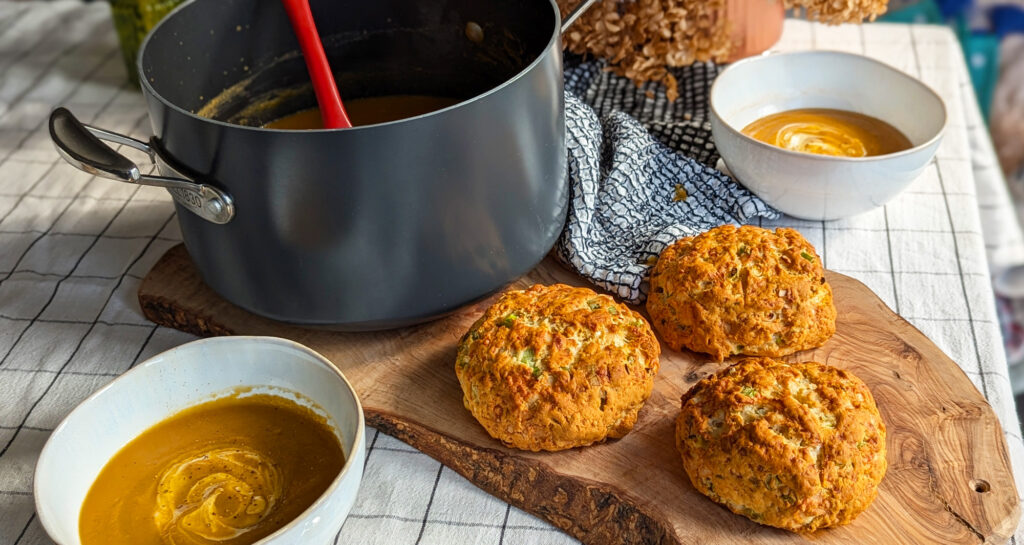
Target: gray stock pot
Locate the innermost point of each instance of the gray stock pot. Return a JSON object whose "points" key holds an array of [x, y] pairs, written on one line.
{"points": [[364, 228]]}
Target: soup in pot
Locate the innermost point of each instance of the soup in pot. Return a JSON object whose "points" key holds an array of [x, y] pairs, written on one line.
{"points": [[368, 111], [826, 131]]}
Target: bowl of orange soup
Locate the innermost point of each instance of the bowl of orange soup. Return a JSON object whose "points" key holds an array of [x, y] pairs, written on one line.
{"points": [[230, 440], [824, 135]]}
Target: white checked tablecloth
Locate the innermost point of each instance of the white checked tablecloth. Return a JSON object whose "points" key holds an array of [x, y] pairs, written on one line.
{"points": [[73, 249]]}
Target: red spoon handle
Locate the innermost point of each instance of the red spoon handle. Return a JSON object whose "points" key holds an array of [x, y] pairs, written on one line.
{"points": [[327, 95]]}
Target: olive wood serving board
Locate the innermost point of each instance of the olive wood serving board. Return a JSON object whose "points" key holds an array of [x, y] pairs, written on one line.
{"points": [[949, 477]]}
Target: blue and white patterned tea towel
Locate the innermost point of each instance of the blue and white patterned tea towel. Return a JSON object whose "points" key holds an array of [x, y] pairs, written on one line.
{"points": [[639, 176]]}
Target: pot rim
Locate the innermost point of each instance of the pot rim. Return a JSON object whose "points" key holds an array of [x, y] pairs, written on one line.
{"points": [[149, 89]]}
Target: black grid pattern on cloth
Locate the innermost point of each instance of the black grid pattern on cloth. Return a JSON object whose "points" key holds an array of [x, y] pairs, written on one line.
{"points": [[683, 125], [638, 175]]}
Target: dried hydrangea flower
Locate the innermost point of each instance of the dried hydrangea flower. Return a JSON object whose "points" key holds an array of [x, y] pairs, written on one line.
{"points": [[835, 12], [641, 39]]}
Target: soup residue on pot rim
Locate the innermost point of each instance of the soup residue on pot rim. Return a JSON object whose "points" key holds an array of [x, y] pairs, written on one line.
{"points": [[826, 131], [229, 471]]}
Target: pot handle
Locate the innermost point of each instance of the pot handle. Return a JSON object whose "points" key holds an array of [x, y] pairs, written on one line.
{"points": [[83, 147]]}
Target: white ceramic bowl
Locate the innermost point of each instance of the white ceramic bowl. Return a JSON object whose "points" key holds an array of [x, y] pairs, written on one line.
{"points": [[814, 186], [192, 373]]}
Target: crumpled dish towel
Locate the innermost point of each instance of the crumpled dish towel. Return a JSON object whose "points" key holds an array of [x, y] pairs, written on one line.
{"points": [[639, 175]]}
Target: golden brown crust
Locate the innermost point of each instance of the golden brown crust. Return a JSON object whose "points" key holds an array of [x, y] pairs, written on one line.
{"points": [[797, 446], [744, 290], [557, 367]]}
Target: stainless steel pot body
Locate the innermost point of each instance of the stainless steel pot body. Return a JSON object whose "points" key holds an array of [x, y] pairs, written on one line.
{"points": [[376, 226]]}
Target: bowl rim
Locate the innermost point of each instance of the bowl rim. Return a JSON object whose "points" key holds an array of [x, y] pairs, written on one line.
{"points": [[357, 439], [814, 156], [148, 89]]}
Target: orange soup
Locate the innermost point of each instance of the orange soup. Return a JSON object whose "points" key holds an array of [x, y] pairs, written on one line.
{"points": [[826, 131], [229, 471], [368, 111]]}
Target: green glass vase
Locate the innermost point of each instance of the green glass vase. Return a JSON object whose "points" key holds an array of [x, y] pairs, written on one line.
{"points": [[133, 19]]}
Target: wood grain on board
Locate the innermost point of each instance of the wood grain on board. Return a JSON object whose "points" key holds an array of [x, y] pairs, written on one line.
{"points": [[949, 477]]}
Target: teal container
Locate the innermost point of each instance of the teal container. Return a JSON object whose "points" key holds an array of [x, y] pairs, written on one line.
{"points": [[981, 50]]}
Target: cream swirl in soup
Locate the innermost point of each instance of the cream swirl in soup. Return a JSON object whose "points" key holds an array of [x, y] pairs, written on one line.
{"points": [[825, 131], [216, 495], [230, 471]]}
